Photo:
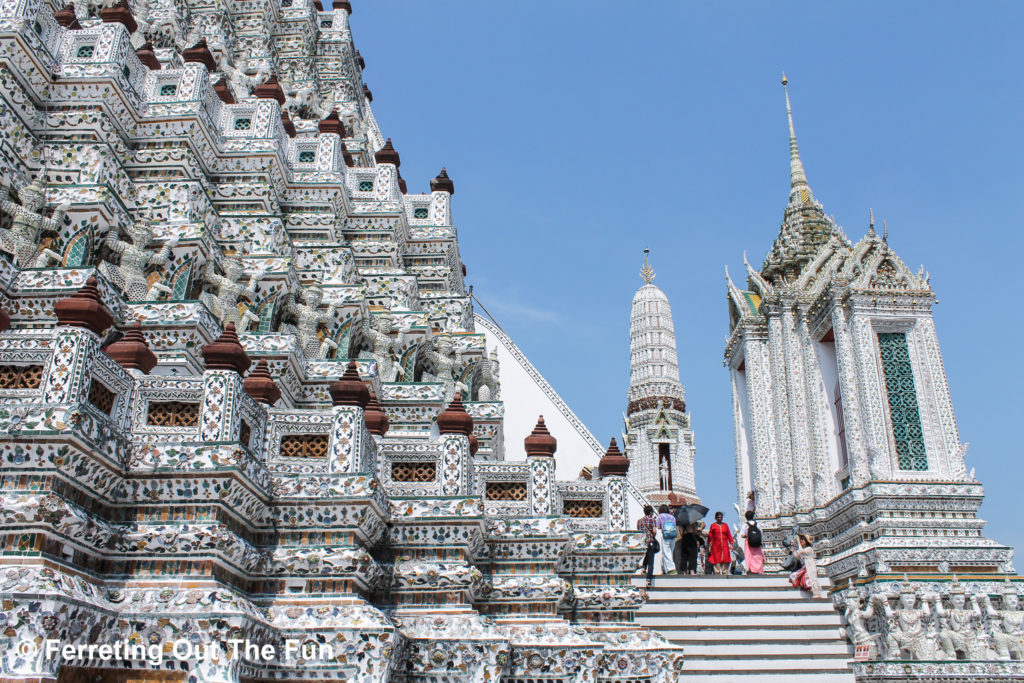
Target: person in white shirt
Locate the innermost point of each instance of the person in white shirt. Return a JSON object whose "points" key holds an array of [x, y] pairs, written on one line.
{"points": [[669, 533]]}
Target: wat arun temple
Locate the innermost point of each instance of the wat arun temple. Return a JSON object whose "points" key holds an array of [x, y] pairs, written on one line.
{"points": [[253, 428]]}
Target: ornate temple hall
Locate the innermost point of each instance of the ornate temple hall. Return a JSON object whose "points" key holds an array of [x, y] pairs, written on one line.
{"points": [[253, 426]]}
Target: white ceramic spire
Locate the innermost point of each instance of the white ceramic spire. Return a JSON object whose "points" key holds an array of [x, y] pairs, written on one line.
{"points": [[659, 439], [653, 361]]}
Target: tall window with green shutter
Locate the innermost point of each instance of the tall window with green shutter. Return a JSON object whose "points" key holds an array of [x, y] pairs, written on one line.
{"points": [[903, 409]]}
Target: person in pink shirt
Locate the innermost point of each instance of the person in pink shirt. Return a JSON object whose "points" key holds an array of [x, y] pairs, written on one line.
{"points": [[751, 535]]}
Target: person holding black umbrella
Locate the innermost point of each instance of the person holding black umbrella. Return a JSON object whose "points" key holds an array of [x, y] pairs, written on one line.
{"points": [[690, 544]]}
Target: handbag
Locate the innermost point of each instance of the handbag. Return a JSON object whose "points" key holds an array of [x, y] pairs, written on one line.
{"points": [[793, 563], [654, 547]]}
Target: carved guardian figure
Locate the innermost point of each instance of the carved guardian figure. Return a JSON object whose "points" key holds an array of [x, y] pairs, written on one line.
{"points": [[22, 239], [1007, 625], [907, 632], [490, 383], [962, 634], [130, 275], [378, 330], [444, 359], [308, 317], [223, 302]]}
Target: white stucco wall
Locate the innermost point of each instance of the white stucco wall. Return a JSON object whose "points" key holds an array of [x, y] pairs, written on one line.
{"points": [[526, 394]]}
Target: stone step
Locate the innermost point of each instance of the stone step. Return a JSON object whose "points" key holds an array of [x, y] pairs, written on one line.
{"points": [[748, 629], [832, 648], [761, 595], [738, 607], [687, 637], [785, 665], [767, 582], [737, 621], [749, 677]]}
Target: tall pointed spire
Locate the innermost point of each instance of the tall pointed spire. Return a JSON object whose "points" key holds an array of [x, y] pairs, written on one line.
{"points": [[799, 189], [659, 440]]}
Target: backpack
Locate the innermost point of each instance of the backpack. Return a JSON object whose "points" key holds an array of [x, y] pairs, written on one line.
{"points": [[753, 535], [669, 530]]}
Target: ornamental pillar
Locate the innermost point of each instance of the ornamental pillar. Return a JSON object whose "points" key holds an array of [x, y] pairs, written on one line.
{"points": [[456, 427], [226, 362], [856, 439], [441, 190], [765, 475], [348, 424], [388, 175], [81, 320], [614, 467], [540, 454], [782, 451]]}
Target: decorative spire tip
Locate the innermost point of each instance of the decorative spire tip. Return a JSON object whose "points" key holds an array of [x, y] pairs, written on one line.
{"points": [[647, 273], [797, 178]]}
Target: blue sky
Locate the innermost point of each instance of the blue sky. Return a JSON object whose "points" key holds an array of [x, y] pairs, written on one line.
{"points": [[577, 133]]}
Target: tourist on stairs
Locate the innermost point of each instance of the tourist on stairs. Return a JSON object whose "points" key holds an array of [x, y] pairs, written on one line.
{"points": [[721, 539], [690, 544], [649, 525], [669, 535], [751, 535], [806, 577]]}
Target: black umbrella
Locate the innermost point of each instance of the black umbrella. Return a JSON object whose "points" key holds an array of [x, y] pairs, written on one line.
{"points": [[690, 514]]}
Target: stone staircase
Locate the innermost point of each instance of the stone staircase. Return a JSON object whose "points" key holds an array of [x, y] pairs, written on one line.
{"points": [[749, 630]]}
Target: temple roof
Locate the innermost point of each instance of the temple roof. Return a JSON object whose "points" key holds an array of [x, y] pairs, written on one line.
{"points": [[805, 228]]}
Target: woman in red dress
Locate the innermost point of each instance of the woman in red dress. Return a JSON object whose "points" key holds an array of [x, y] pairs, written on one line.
{"points": [[720, 537]]}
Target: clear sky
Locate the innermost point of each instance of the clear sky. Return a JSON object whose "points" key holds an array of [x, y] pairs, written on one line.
{"points": [[577, 133]]}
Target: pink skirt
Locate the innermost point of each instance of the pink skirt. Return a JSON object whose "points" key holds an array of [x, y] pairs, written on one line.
{"points": [[754, 559], [799, 579]]}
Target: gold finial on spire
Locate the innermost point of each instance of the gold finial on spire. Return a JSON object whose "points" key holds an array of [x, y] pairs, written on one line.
{"points": [[647, 273], [797, 177]]}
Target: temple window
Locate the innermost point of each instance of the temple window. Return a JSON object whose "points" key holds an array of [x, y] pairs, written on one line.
{"points": [[421, 212], [126, 72], [101, 397], [20, 376], [245, 434], [85, 51], [417, 472], [583, 508], [243, 123], [168, 90], [366, 186], [506, 490], [307, 157], [903, 410], [304, 445], [172, 414], [844, 455]]}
